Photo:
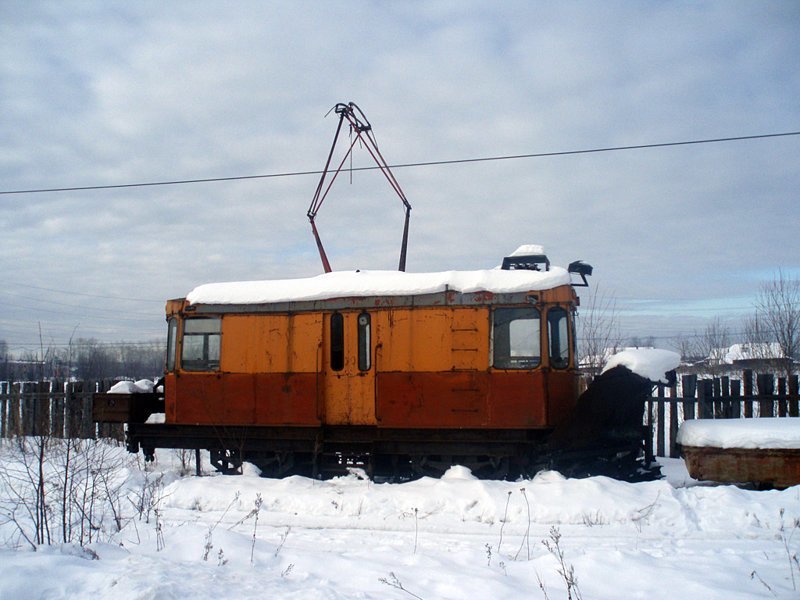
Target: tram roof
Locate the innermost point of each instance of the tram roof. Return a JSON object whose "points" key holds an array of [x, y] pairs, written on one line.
{"points": [[348, 284]]}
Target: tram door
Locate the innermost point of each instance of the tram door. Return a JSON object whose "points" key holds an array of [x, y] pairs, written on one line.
{"points": [[349, 374]]}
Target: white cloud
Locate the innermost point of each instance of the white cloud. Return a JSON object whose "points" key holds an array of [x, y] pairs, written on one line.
{"points": [[118, 93]]}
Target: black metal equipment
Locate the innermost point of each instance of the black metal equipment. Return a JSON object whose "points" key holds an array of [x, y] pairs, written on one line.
{"points": [[361, 131], [580, 268]]}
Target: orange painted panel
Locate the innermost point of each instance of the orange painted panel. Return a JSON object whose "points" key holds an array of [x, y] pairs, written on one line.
{"points": [[502, 400], [198, 398], [271, 343], [433, 339], [170, 398], [243, 399], [563, 387], [349, 394], [446, 400], [517, 399], [238, 405], [286, 399], [215, 399]]}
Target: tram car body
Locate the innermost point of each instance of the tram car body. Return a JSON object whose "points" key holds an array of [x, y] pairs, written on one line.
{"points": [[399, 373]]}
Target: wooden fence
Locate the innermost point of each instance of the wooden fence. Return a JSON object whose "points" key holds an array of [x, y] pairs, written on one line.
{"points": [[53, 408], [64, 409], [761, 395]]}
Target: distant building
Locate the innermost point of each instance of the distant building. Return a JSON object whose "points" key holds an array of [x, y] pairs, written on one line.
{"points": [[763, 357]]}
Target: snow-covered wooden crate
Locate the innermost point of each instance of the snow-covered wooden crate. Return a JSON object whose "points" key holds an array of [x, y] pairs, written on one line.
{"points": [[763, 451]]}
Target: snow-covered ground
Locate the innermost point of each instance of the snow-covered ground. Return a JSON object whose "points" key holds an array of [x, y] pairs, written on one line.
{"points": [[246, 536]]}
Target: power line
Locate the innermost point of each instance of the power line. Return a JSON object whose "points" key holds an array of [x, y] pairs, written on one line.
{"points": [[34, 287], [86, 309], [403, 165]]}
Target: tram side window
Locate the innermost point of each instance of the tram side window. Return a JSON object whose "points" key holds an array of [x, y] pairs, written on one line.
{"points": [[172, 336], [337, 342], [515, 340], [364, 342], [201, 343], [559, 339]]}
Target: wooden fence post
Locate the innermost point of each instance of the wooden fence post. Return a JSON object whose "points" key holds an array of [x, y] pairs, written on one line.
{"points": [[736, 400], [747, 379], [74, 409], [766, 387], [673, 420], [14, 420], [660, 446], [57, 414], [88, 427], [41, 424], [689, 389], [705, 399], [793, 392], [727, 409], [27, 407], [782, 400], [717, 393], [4, 388]]}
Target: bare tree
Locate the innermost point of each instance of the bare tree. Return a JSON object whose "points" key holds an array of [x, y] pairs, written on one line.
{"points": [[599, 331], [686, 347], [758, 340], [4, 358], [778, 311], [713, 345]]}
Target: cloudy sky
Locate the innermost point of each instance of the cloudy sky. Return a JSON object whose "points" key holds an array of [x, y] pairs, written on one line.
{"points": [[112, 93]]}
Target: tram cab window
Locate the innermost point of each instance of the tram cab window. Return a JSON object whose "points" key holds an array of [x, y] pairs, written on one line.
{"points": [[172, 337], [201, 344], [515, 338], [558, 337]]}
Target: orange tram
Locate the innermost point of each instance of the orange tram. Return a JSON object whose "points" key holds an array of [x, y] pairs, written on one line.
{"points": [[400, 374]]}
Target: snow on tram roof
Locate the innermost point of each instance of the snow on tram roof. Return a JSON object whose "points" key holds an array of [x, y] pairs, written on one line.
{"points": [[346, 284]]}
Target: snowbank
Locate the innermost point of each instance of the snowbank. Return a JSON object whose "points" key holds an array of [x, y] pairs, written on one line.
{"points": [[650, 363], [143, 386], [344, 284], [450, 538], [766, 433]]}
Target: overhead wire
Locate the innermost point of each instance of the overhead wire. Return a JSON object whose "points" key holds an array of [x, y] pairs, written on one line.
{"points": [[46, 289], [82, 188]]}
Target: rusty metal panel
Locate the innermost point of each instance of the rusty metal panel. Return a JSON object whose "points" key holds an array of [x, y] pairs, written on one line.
{"points": [[198, 398], [432, 339], [517, 400], [425, 400], [349, 393], [270, 343], [470, 339], [286, 399], [170, 398], [562, 395], [778, 468]]}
